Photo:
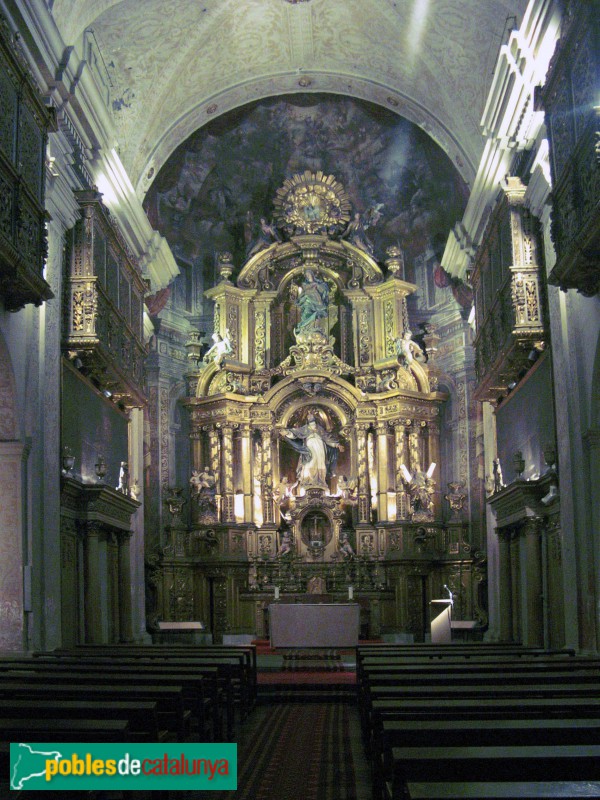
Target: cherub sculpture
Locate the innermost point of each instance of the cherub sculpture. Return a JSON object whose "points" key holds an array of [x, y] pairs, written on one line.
{"points": [[407, 350], [220, 349]]}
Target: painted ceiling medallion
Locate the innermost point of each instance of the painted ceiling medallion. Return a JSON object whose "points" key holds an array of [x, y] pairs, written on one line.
{"points": [[312, 202]]}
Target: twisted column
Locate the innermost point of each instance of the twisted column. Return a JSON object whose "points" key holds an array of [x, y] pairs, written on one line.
{"points": [[227, 474], [363, 475]]}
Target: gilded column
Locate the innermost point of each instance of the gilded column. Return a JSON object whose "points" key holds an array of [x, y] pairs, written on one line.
{"points": [[247, 466], [363, 479], [125, 617], [227, 474], [414, 454], [92, 590], [400, 456], [505, 578], [533, 587], [382, 472], [197, 456], [267, 476], [215, 456]]}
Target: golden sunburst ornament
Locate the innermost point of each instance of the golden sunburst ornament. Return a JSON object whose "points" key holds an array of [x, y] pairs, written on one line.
{"points": [[312, 203]]}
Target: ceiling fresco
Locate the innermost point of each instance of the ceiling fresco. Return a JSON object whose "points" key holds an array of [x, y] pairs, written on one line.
{"points": [[212, 192]]}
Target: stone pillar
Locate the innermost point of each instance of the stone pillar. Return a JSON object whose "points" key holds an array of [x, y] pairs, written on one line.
{"points": [[382, 472], [515, 584], [534, 636], [228, 513], [505, 576], [92, 584], [11, 541], [125, 617], [137, 571], [247, 467], [364, 515]]}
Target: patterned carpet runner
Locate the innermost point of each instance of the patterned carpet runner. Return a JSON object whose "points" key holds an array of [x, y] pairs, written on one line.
{"points": [[312, 661], [301, 752]]}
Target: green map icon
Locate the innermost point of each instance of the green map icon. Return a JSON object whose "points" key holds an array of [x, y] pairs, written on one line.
{"points": [[30, 764]]}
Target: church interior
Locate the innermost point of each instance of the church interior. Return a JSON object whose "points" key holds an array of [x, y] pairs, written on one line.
{"points": [[299, 307]]}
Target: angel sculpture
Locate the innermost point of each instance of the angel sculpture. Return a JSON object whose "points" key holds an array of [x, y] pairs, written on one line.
{"points": [[220, 349], [407, 350], [346, 486], [267, 234], [356, 231]]}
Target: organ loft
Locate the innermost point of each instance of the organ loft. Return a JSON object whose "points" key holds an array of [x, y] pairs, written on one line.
{"points": [[315, 438]]}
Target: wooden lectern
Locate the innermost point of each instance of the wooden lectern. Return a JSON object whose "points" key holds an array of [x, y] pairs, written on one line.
{"points": [[441, 621]]}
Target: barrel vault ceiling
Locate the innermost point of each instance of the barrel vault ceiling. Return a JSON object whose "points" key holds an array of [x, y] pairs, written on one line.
{"points": [[173, 65]]}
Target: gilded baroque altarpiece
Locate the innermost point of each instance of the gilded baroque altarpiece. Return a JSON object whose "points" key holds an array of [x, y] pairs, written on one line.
{"points": [[315, 437]]}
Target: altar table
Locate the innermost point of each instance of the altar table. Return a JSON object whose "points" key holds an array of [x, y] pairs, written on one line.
{"points": [[318, 625]]}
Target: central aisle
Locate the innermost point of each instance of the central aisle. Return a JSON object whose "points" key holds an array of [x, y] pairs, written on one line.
{"points": [[301, 751]]}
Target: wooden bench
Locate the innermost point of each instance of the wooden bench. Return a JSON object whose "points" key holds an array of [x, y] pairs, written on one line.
{"points": [[61, 729], [469, 732], [141, 717], [508, 790], [504, 763], [169, 700]]}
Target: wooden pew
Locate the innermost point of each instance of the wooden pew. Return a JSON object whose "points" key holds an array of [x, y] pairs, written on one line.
{"points": [[504, 763], [233, 669], [247, 652], [216, 671], [508, 790], [465, 732], [142, 717], [61, 729], [192, 686], [169, 699]]}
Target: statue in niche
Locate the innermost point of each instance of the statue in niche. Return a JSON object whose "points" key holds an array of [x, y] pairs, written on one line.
{"points": [[407, 350], [220, 349], [420, 490], [286, 544], [312, 300], [318, 450], [346, 548], [203, 485]]}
